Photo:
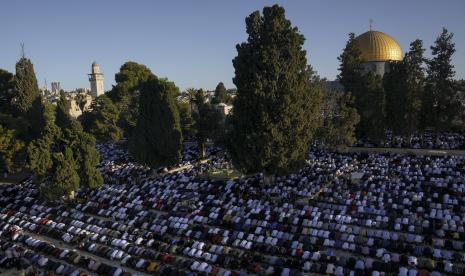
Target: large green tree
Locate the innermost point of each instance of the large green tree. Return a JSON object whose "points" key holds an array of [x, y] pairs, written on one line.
{"points": [[221, 95], [125, 94], [404, 87], [64, 180], [186, 120], [102, 121], [367, 90], [353, 79], [6, 91], [9, 119], [414, 61], [87, 159], [395, 86], [157, 138], [11, 151], [39, 151], [85, 155], [276, 106], [372, 111], [48, 154], [25, 86], [351, 73], [63, 118], [37, 119], [207, 121], [440, 107], [339, 120]]}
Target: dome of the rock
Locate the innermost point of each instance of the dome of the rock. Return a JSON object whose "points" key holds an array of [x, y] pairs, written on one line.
{"points": [[378, 46]]}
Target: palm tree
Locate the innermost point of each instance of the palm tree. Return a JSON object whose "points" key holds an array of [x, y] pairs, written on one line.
{"points": [[191, 94]]}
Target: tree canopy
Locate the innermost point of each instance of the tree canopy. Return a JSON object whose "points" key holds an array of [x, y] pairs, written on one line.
{"points": [[157, 138], [11, 151], [440, 99], [102, 121], [367, 90], [404, 86], [25, 86], [207, 120], [276, 103], [339, 120], [221, 95], [125, 94], [6, 91]]}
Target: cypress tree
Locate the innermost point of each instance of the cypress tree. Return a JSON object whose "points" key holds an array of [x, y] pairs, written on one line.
{"points": [[11, 149], [221, 95], [63, 118], [441, 99], [354, 81], [276, 107], [9, 117], [37, 119], [39, 151], [6, 91], [351, 75], [157, 138], [395, 86], [64, 179], [367, 90], [414, 62], [404, 86], [25, 86], [40, 156], [88, 159], [372, 111]]}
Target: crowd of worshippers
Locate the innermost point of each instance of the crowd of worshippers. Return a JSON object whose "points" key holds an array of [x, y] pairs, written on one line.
{"points": [[404, 216], [424, 140]]}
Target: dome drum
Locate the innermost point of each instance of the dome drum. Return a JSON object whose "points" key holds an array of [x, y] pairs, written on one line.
{"points": [[377, 67]]}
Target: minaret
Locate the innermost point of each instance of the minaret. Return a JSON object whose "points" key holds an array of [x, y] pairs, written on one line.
{"points": [[96, 81]]}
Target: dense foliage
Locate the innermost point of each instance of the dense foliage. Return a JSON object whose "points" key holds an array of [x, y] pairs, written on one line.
{"points": [[221, 95], [339, 120], [207, 121], [42, 138], [405, 100], [102, 120], [404, 86], [25, 86], [441, 107], [157, 139], [367, 90], [274, 114], [125, 94]]}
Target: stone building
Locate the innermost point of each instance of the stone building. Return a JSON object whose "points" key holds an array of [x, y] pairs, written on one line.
{"points": [[75, 109]]}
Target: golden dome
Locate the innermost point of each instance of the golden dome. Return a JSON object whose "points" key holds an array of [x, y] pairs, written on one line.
{"points": [[378, 46]]}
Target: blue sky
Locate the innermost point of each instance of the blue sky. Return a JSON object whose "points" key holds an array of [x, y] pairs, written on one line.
{"points": [[193, 42]]}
